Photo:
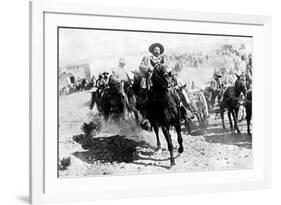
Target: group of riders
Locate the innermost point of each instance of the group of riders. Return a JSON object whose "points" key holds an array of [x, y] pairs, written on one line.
{"points": [[142, 83], [158, 93], [240, 66]]}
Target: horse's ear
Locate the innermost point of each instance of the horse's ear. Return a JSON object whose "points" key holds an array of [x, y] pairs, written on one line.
{"points": [[238, 76]]}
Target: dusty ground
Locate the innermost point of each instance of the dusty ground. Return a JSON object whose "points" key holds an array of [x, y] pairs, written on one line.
{"points": [[210, 148]]}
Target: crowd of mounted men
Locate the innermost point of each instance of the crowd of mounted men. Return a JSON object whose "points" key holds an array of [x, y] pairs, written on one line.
{"points": [[135, 91], [158, 98]]}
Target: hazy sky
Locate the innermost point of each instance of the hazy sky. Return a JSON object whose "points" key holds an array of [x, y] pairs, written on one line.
{"points": [[83, 45]]}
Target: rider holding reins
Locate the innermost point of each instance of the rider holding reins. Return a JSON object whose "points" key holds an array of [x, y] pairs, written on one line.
{"points": [[120, 76], [148, 63]]}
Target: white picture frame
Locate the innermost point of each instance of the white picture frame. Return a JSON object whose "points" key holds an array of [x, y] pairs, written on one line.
{"points": [[236, 180]]}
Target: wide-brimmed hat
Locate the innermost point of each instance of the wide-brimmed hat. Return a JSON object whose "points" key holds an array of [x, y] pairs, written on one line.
{"points": [[159, 45], [122, 60], [136, 72], [105, 73], [218, 74]]}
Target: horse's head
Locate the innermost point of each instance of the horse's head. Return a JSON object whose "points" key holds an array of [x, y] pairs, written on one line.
{"points": [[240, 85], [137, 79], [114, 84], [160, 77]]}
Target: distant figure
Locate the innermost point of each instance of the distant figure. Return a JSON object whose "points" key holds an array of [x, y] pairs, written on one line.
{"points": [[101, 84], [105, 76], [217, 77], [193, 86], [92, 82]]}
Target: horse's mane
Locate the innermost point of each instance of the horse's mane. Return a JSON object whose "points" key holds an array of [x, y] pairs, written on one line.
{"points": [[240, 86], [159, 77]]}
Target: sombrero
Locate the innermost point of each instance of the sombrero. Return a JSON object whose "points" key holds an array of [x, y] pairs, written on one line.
{"points": [[136, 72], [218, 74], [159, 45]]}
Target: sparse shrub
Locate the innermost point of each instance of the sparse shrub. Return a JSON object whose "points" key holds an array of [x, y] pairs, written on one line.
{"points": [[92, 126], [64, 163]]}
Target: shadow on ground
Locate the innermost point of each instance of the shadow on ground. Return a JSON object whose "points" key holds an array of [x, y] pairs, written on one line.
{"points": [[115, 148], [224, 136]]}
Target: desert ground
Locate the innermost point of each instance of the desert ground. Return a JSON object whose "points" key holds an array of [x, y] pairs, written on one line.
{"points": [[129, 150]]}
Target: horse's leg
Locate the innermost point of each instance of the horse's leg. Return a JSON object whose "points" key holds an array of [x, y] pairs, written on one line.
{"points": [[235, 121], [136, 117], [248, 118], [229, 118], [92, 100], [248, 126], [165, 130], [198, 115], [178, 130], [187, 125], [156, 130], [222, 115], [202, 119], [106, 118]]}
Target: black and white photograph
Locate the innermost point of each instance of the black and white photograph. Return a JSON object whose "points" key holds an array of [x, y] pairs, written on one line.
{"points": [[152, 102]]}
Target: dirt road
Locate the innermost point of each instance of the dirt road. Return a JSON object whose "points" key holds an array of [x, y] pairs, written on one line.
{"points": [[210, 148]]}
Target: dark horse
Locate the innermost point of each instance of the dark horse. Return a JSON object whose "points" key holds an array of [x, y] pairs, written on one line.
{"points": [[248, 106], [112, 104], [163, 109], [231, 102], [96, 99]]}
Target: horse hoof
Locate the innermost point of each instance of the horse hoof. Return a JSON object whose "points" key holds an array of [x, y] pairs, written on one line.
{"points": [[172, 164], [180, 150]]}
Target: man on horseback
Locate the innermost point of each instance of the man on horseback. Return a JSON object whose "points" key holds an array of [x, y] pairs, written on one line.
{"points": [[100, 86], [121, 79], [215, 89], [149, 62], [101, 83]]}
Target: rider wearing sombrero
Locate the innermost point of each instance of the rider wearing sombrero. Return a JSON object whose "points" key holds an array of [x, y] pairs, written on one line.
{"points": [[101, 84], [148, 63]]}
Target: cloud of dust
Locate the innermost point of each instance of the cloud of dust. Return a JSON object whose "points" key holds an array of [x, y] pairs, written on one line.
{"points": [[125, 127]]}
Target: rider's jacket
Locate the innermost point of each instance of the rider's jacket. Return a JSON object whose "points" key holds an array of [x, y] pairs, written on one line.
{"points": [[146, 67], [101, 84], [119, 74]]}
